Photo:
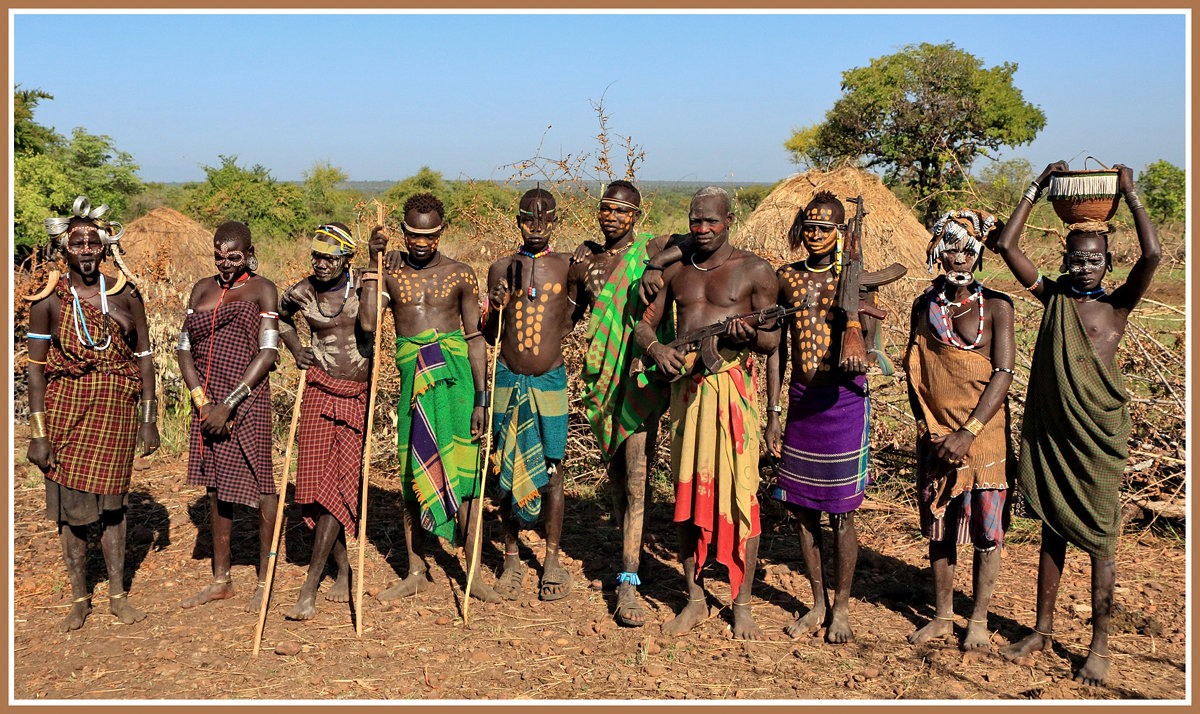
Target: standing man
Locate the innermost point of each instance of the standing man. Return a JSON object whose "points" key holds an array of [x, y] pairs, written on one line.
{"points": [[824, 449], [440, 411], [623, 415], [1074, 439], [714, 414], [337, 370], [85, 417], [959, 365], [229, 341], [537, 289]]}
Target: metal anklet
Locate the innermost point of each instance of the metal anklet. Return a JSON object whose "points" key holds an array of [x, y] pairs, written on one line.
{"points": [[85, 598], [939, 617], [741, 604], [984, 620], [1043, 634], [1101, 656], [118, 596], [698, 600]]}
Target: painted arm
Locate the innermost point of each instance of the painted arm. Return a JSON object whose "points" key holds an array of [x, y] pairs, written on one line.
{"points": [[1142, 272], [498, 295], [289, 305], [1007, 241]]}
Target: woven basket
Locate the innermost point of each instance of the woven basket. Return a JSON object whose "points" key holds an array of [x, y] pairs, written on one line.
{"points": [[1080, 196]]}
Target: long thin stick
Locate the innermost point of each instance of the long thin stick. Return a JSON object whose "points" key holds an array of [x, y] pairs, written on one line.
{"points": [[366, 464], [287, 463], [473, 561]]}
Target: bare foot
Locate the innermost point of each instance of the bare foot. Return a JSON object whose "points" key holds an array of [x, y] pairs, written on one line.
{"points": [[482, 591], [688, 617], [934, 629], [803, 626], [340, 592], [126, 613], [978, 637], [839, 631], [255, 602], [1032, 643], [629, 611], [744, 626], [413, 584], [74, 619], [304, 609], [216, 591], [1094, 671]]}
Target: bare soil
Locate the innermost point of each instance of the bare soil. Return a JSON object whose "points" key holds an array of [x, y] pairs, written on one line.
{"points": [[569, 649]]}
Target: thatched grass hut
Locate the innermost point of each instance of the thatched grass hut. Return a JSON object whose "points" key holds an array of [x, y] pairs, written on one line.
{"points": [[164, 244], [891, 233]]}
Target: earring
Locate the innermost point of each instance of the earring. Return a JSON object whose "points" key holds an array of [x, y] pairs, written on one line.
{"points": [[252, 264]]}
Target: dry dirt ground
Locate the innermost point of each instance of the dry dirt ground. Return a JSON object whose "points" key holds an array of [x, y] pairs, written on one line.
{"points": [[569, 649]]}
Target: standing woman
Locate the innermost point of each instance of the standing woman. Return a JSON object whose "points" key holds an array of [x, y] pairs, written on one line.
{"points": [[91, 400]]}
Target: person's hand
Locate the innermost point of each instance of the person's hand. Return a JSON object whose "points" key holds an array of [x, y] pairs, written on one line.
{"points": [[1058, 167], [953, 448], [477, 417], [148, 438], [668, 359], [774, 435], [989, 240], [854, 351], [582, 253], [394, 260], [41, 454], [376, 244], [740, 331], [305, 358], [498, 295], [216, 421], [649, 285], [1124, 179]]}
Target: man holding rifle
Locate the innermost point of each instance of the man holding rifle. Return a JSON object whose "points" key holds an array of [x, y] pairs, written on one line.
{"points": [[824, 449], [714, 404]]}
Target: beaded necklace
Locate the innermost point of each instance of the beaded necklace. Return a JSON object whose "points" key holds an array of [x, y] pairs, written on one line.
{"points": [[531, 291], [1088, 293], [79, 319], [940, 304]]}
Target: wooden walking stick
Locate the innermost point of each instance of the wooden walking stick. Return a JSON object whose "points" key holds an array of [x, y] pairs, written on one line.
{"points": [[366, 464], [287, 462], [473, 561]]}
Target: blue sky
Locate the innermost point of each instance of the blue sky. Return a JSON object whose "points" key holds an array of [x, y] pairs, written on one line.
{"points": [[708, 97]]}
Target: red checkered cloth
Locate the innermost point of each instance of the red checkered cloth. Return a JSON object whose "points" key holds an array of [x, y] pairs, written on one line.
{"points": [[238, 465], [329, 467], [91, 402]]}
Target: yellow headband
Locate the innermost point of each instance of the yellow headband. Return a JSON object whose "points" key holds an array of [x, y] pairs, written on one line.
{"points": [[619, 202], [343, 244], [421, 231]]}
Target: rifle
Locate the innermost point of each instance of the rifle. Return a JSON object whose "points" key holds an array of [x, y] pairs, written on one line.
{"points": [[705, 339], [854, 282]]}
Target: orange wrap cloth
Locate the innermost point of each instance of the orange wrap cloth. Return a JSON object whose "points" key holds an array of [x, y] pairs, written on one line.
{"points": [[715, 439]]}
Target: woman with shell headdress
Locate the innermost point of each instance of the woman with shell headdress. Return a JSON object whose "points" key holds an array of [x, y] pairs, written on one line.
{"points": [[91, 399]]}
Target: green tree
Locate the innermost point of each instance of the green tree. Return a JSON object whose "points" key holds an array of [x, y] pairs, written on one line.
{"points": [[252, 196], [1164, 186], [29, 137], [425, 180], [1002, 183], [324, 200], [924, 114]]}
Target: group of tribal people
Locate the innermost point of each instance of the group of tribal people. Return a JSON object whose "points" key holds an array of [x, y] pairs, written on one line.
{"points": [[92, 387]]}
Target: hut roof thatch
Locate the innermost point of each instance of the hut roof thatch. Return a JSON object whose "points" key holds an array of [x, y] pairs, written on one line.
{"points": [[165, 244]]}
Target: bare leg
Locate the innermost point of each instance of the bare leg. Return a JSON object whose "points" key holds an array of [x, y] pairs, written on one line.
{"points": [[325, 535], [468, 516], [627, 474], [845, 540], [340, 592], [508, 585], [1095, 669], [74, 547], [808, 527], [222, 528], [267, 505], [943, 556], [1050, 565], [696, 608], [417, 579], [744, 627], [112, 542], [556, 580], [985, 569]]}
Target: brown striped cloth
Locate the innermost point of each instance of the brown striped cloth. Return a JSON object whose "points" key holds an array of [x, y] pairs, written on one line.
{"points": [[948, 381], [238, 466], [91, 402], [330, 441], [1075, 437]]}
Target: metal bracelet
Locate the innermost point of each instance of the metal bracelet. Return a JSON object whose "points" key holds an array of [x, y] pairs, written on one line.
{"points": [[239, 393], [777, 409], [199, 398], [1134, 201], [1032, 193], [974, 426], [148, 411], [140, 355], [268, 340], [482, 398], [185, 342], [37, 425]]}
